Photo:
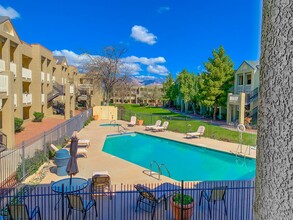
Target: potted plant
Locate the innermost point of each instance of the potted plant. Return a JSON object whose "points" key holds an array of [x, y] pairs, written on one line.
{"points": [[139, 121], [187, 208]]}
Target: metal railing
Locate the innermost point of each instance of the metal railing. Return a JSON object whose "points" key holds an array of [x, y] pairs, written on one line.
{"points": [[3, 141], [16, 163], [127, 203]]}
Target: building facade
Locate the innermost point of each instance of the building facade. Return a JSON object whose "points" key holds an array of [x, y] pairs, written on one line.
{"points": [[243, 102], [31, 78]]}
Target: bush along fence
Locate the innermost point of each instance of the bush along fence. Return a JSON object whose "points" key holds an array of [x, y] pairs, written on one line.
{"points": [[216, 200], [26, 158], [185, 124]]}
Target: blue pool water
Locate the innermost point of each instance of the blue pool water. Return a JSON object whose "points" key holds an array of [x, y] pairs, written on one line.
{"points": [[184, 161], [113, 125]]}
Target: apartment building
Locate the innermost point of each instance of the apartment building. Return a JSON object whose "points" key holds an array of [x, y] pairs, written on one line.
{"points": [[149, 94], [30, 79], [243, 102]]}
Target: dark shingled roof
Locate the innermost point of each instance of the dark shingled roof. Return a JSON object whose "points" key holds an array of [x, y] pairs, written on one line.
{"points": [[3, 19], [253, 64], [60, 59]]}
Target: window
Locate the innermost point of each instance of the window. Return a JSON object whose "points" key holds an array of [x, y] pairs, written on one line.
{"points": [[248, 81], [240, 80]]}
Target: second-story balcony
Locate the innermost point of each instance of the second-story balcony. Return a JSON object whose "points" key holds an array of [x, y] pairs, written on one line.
{"points": [[85, 86], [13, 69], [2, 65], [71, 89], [27, 99], [234, 99], [4, 85], [48, 78], [26, 74], [15, 100], [43, 98], [53, 79], [43, 77]]}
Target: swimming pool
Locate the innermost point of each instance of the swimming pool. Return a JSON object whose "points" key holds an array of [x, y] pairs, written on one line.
{"points": [[113, 125], [184, 161]]}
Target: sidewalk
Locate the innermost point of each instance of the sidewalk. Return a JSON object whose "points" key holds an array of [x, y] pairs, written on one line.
{"points": [[219, 123]]}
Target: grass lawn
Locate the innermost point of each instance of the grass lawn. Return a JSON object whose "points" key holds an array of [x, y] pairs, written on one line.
{"points": [[183, 124]]}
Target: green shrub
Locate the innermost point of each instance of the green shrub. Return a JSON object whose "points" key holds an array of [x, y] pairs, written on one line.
{"points": [[186, 199], [18, 124], [88, 121], [32, 164], [38, 116]]}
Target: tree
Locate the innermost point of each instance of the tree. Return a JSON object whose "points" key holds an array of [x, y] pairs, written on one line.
{"points": [[169, 90], [217, 80], [123, 89], [273, 183], [107, 69], [185, 82]]}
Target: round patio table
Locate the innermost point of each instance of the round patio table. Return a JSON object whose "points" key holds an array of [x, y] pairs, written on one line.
{"points": [[67, 186]]}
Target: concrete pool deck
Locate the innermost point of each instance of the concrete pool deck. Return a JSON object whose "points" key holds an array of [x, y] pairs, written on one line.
{"points": [[122, 171]]}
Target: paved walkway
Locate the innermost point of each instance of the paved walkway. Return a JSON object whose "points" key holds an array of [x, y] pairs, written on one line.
{"points": [[33, 129]]}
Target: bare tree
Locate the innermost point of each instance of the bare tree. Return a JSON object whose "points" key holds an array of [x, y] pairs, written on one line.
{"points": [[106, 69], [123, 88], [273, 184]]}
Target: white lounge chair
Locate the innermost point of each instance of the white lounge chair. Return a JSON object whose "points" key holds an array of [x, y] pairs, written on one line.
{"points": [[198, 133], [162, 128], [132, 121], [80, 151], [157, 124]]}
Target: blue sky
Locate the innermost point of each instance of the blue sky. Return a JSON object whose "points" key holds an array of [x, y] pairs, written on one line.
{"points": [[161, 36]]}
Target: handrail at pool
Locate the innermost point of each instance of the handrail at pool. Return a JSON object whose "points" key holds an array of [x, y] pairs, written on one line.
{"points": [[158, 166], [163, 165]]}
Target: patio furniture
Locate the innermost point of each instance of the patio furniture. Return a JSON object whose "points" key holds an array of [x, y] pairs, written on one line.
{"points": [[61, 160], [101, 181], [76, 203], [80, 151], [84, 142], [162, 128], [67, 186], [216, 194], [153, 197], [198, 133], [157, 124], [20, 211], [132, 121]]}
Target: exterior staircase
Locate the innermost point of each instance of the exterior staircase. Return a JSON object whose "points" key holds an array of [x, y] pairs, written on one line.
{"points": [[58, 90]]}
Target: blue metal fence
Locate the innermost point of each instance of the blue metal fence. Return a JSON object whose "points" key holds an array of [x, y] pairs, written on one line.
{"points": [[126, 203]]}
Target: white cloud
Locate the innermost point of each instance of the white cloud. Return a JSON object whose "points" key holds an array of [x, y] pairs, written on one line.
{"points": [[142, 34], [144, 60], [163, 9], [72, 58], [131, 68], [158, 69], [10, 12]]}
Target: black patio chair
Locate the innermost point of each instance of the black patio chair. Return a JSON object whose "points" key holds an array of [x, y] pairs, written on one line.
{"points": [[20, 211], [153, 197], [216, 194], [76, 203]]}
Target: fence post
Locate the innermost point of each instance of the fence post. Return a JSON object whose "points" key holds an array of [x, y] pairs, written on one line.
{"points": [[62, 201], [45, 147], [23, 160], [181, 207]]}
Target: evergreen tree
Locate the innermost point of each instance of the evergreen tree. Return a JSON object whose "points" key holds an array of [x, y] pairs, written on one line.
{"points": [[217, 80], [186, 87], [169, 89]]}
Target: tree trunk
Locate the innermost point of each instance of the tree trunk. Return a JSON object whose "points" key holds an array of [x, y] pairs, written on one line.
{"points": [[215, 112], [274, 172], [186, 106]]}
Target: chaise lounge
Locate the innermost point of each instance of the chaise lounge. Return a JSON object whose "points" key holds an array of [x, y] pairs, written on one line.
{"points": [[80, 151], [162, 128], [150, 127], [198, 133], [132, 121]]}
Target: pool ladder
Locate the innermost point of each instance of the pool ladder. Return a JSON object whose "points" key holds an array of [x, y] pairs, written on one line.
{"points": [[159, 167], [113, 122], [122, 129]]}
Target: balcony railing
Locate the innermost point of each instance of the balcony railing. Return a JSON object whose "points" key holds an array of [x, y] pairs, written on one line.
{"points": [[1, 104], [247, 88], [85, 86], [13, 69], [27, 99], [26, 74], [2, 65], [48, 78], [53, 78], [15, 100], [43, 98], [71, 89], [42, 77], [4, 84]]}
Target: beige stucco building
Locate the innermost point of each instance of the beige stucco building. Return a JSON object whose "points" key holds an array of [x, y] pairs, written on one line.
{"points": [[31, 78], [243, 102]]}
